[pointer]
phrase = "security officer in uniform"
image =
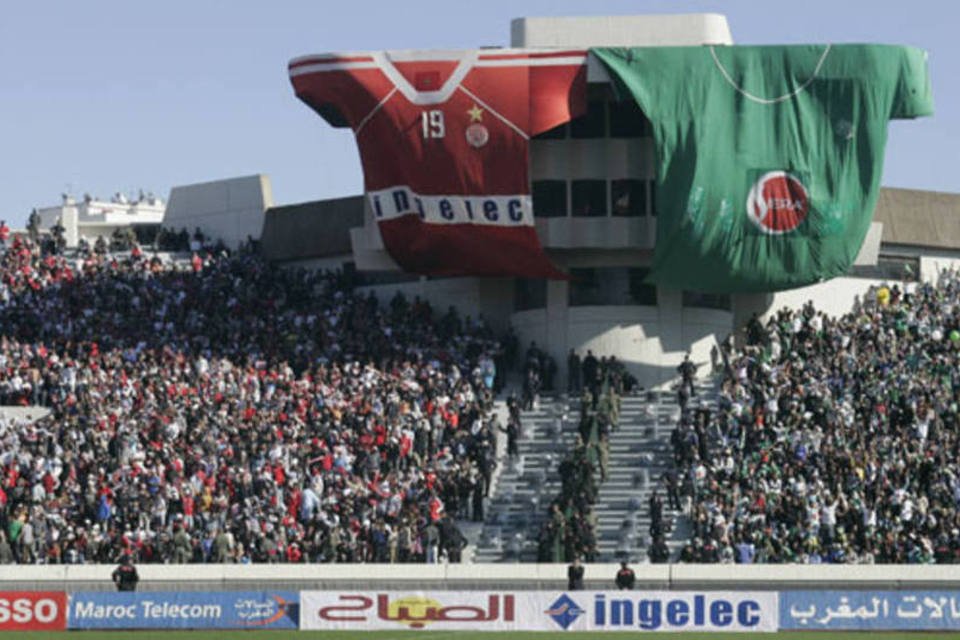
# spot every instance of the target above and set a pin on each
(125, 576)
(626, 578)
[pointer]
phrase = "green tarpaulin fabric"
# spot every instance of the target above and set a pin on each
(768, 157)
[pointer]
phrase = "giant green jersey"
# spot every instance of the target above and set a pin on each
(768, 157)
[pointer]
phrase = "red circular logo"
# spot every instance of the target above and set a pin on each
(778, 202)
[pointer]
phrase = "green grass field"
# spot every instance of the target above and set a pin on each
(457, 635)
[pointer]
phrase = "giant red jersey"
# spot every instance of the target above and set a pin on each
(444, 140)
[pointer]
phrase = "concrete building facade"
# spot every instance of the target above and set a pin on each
(93, 217)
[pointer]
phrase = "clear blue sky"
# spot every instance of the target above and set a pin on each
(107, 95)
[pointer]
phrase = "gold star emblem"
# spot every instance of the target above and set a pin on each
(476, 114)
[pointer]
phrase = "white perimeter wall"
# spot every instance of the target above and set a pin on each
(679, 576)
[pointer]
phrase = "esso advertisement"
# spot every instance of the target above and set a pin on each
(33, 610)
(541, 610)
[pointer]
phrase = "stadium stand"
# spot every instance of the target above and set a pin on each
(212, 408)
(835, 438)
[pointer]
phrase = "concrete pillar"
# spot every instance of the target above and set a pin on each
(70, 219)
(670, 312)
(558, 340)
(495, 298)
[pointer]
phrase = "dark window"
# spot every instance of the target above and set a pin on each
(146, 233)
(706, 300)
(589, 198)
(550, 198)
(609, 286)
(652, 187)
(641, 292)
(557, 133)
(626, 120)
(370, 278)
(529, 293)
(591, 125)
(903, 268)
(628, 198)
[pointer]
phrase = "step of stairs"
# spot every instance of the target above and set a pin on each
(640, 452)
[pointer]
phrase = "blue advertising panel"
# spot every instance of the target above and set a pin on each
(184, 610)
(868, 610)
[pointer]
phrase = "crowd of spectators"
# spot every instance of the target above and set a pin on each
(217, 409)
(836, 439)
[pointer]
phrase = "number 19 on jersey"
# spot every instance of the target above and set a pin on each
(432, 124)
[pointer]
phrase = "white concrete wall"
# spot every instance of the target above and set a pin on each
(677, 576)
(229, 210)
(870, 249)
(931, 266)
(650, 341)
(835, 297)
(621, 31)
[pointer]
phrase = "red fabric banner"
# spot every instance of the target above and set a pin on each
(444, 141)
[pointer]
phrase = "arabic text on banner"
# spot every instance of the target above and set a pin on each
(870, 610)
(540, 610)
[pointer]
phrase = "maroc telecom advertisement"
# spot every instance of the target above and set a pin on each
(33, 610)
(184, 610)
(880, 610)
(540, 610)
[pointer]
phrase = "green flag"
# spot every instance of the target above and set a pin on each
(768, 157)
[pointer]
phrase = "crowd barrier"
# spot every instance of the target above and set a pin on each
(500, 610)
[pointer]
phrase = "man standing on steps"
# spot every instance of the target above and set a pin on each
(659, 552)
(513, 435)
(590, 369)
(673, 489)
(687, 371)
(603, 454)
(573, 373)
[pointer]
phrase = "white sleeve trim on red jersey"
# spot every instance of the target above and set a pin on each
(321, 67)
(373, 111)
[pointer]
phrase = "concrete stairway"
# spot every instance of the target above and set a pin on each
(639, 454)
(526, 485)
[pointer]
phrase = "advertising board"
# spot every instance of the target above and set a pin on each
(184, 610)
(870, 610)
(540, 610)
(33, 610)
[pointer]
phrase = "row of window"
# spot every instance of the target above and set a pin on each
(608, 286)
(889, 267)
(593, 198)
(603, 119)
